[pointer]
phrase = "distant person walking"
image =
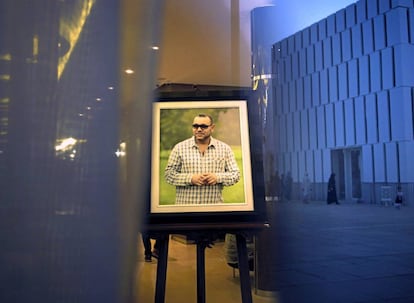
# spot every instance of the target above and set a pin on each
(332, 197)
(399, 198)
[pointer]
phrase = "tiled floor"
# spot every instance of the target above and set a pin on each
(181, 286)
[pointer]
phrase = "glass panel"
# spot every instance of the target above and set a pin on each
(69, 118)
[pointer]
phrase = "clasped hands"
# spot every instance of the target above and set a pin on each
(204, 179)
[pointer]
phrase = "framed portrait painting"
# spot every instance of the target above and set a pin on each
(201, 157)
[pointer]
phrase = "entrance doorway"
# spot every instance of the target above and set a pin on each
(346, 164)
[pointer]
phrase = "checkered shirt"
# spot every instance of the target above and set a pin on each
(186, 159)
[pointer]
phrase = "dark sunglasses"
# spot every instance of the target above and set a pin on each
(202, 126)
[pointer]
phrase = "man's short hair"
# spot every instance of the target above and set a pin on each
(208, 116)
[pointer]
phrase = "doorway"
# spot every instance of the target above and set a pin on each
(346, 164)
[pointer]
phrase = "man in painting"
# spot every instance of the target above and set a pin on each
(199, 167)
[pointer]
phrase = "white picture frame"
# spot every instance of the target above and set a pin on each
(231, 120)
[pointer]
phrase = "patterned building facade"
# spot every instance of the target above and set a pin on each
(343, 101)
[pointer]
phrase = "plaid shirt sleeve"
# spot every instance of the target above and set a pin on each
(173, 171)
(230, 173)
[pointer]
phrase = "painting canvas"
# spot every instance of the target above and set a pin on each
(173, 122)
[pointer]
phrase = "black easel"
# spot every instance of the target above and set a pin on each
(204, 235)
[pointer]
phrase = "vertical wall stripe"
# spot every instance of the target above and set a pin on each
(324, 92)
(353, 78)
(368, 170)
(406, 152)
(350, 15)
(314, 34)
(291, 44)
(322, 29)
(310, 59)
(401, 113)
(397, 26)
(340, 20)
(404, 65)
(336, 49)
(327, 165)
(333, 84)
(295, 65)
(330, 25)
(387, 68)
(315, 89)
(297, 131)
(307, 92)
(371, 118)
(375, 71)
(379, 32)
(306, 37)
(313, 135)
(319, 56)
(285, 100)
(305, 129)
(302, 62)
(367, 37)
(356, 34)
(346, 45)
(327, 52)
(372, 8)
(384, 128)
(299, 94)
(330, 126)
(360, 127)
(391, 159)
(411, 24)
(310, 164)
(321, 122)
(339, 124)
(364, 75)
(318, 165)
(292, 95)
(361, 7)
(298, 41)
(349, 119)
(290, 136)
(379, 162)
(343, 81)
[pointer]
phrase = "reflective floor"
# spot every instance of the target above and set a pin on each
(181, 286)
(347, 253)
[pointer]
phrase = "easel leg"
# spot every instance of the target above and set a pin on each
(161, 269)
(201, 274)
(245, 287)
